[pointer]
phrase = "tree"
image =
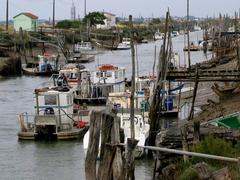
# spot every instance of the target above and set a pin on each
(66, 24)
(94, 18)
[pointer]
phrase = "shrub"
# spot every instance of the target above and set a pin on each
(215, 146)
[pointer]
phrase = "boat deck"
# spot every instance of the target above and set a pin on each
(75, 133)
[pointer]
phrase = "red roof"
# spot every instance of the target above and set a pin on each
(32, 16)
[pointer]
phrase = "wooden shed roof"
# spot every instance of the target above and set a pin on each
(30, 15)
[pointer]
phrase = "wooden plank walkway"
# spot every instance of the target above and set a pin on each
(204, 75)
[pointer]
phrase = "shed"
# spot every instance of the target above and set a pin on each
(27, 21)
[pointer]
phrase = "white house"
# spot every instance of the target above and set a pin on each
(109, 22)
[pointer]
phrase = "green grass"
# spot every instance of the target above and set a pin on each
(214, 146)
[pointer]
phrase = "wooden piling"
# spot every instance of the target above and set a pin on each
(93, 146)
(156, 101)
(110, 166)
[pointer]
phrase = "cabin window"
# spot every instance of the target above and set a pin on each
(69, 99)
(99, 74)
(108, 74)
(120, 73)
(72, 76)
(116, 74)
(50, 100)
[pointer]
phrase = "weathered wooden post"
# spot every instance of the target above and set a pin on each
(154, 62)
(131, 142)
(110, 164)
(196, 123)
(156, 100)
(188, 37)
(93, 146)
(184, 132)
(117, 164)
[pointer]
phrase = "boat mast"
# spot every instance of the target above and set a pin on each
(53, 14)
(188, 38)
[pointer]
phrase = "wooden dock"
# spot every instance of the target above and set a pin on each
(204, 75)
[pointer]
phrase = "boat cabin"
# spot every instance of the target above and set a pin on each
(47, 63)
(110, 75)
(54, 109)
(83, 46)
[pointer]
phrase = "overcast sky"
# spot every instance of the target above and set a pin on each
(145, 8)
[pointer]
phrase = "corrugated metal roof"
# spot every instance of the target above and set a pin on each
(32, 16)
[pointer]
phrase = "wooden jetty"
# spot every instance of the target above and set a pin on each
(204, 75)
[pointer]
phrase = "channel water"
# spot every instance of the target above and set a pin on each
(63, 160)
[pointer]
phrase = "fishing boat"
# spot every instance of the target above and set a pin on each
(53, 117)
(81, 58)
(192, 48)
(174, 34)
(158, 36)
(46, 66)
(141, 132)
(82, 47)
(124, 45)
(95, 86)
(72, 72)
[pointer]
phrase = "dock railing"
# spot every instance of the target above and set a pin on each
(188, 153)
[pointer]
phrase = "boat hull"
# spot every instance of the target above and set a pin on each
(75, 133)
(31, 72)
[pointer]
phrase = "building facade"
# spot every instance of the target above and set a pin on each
(27, 21)
(109, 22)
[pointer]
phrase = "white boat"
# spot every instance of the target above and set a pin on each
(73, 74)
(175, 33)
(53, 117)
(94, 87)
(141, 132)
(46, 66)
(82, 47)
(141, 128)
(158, 36)
(124, 45)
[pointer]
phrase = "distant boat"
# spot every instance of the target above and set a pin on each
(175, 33)
(82, 47)
(192, 48)
(82, 58)
(144, 41)
(158, 36)
(124, 45)
(46, 66)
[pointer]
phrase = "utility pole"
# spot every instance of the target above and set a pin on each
(188, 38)
(85, 8)
(133, 81)
(131, 142)
(53, 14)
(7, 16)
